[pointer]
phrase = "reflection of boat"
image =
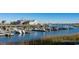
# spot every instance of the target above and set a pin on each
(62, 28)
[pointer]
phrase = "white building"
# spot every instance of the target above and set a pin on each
(34, 22)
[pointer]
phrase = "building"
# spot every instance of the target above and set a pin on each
(33, 22)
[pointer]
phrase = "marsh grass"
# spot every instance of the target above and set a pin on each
(68, 39)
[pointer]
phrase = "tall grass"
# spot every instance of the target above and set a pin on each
(69, 39)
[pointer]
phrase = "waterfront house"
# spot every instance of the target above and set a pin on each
(33, 22)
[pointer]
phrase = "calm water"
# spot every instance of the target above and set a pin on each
(37, 35)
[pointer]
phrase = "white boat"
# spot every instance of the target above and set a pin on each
(4, 33)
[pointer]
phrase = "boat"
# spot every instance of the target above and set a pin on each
(1, 34)
(9, 34)
(5, 33)
(19, 31)
(39, 30)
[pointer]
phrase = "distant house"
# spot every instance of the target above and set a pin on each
(24, 22)
(20, 22)
(33, 22)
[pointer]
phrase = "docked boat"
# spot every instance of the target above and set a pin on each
(1, 34)
(5, 33)
(39, 30)
(9, 34)
(19, 31)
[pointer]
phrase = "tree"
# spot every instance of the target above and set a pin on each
(13, 23)
(3, 22)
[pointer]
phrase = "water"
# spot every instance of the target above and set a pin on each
(37, 35)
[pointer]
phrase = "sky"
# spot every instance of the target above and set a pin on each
(42, 17)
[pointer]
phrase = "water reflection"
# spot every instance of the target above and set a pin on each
(20, 35)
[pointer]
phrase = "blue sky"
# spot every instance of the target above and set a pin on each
(42, 17)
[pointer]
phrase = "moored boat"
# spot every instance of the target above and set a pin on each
(39, 30)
